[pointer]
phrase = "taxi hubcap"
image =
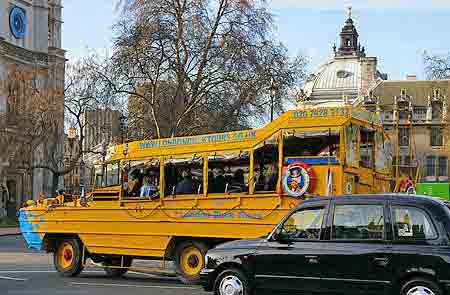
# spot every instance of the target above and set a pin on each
(420, 290)
(231, 285)
(191, 261)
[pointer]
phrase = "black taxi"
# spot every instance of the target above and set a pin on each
(358, 244)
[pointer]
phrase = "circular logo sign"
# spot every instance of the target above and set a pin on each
(297, 179)
(18, 22)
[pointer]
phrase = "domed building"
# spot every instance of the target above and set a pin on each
(345, 78)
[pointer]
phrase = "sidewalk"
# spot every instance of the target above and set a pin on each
(13, 231)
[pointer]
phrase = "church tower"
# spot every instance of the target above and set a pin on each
(347, 76)
(349, 39)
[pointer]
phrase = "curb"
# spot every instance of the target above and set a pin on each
(10, 234)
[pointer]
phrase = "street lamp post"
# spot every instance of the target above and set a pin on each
(82, 165)
(273, 93)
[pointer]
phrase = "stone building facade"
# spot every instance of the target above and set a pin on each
(71, 150)
(419, 111)
(102, 126)
(30, 38)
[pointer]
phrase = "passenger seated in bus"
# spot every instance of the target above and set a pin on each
(185, 186)
(135, 184)
(148, 189)
(218, 182)
(228, 174)
(331, 150)
(237, 182)
(270, 178)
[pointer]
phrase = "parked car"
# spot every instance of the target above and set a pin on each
(390, 244)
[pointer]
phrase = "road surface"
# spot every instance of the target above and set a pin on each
(26, 272)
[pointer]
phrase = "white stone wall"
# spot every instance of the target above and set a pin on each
(36, 38)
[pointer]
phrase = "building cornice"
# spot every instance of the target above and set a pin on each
(23, 55)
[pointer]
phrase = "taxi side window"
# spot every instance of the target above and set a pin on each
(358, 222)
(412, 224)
(304, 224)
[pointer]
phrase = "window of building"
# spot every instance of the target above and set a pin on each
(412, 224)
(420, 113)
(387, 116)
(403, 110)
(303, 224)
(443, 170)
(143, 178)
(184, 176)
(436, 136)
(431, 166)
(265, 166)
(436, 111)
(403, 136)
(228, 172)
(358, 222)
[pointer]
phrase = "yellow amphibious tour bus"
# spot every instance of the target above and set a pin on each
(173, 199)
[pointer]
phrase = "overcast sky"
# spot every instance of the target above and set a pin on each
(395, 31)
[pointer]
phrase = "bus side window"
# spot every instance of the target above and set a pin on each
(112, 174)
(266, 166)
(228, 172)
(184, 176)
(321, 143)
(366, 148)
(143, 179)
(98, 179)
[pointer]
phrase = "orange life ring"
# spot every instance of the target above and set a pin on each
(298, 179)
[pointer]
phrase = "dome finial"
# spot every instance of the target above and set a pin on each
(349, 12)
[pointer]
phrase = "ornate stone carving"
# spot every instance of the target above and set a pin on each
(23, 54)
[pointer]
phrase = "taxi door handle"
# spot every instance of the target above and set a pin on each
(311, 259)
(381, 261)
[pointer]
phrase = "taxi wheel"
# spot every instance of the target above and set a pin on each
(420, 286)
(189, 261)
(68, 257)
(232, 282)
(117, 272)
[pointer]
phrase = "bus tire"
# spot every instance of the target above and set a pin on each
(67, 258)
(117, 272)
(189, 258)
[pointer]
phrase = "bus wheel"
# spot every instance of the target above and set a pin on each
(189, 260)
(68, 257)
(117, 272)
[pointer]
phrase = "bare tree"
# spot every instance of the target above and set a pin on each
(30, 117)
(32, 129)
(437, 66)
(198, 65)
